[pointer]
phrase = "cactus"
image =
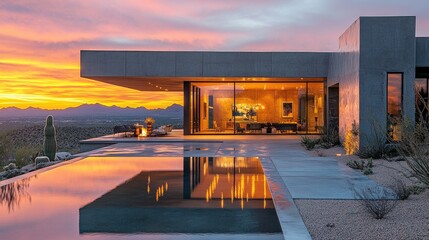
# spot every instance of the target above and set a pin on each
(50, 142)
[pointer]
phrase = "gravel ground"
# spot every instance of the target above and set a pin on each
(348, 219)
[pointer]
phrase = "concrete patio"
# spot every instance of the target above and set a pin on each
(291, 171)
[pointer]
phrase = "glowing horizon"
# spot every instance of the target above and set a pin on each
(41, 42)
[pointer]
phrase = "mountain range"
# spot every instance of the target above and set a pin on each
(92, 111)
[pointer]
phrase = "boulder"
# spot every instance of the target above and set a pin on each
(40, 160)
(10, 166)
(12, 173)
(62, 156)
(44, 164)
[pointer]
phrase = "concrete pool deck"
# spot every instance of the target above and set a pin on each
(291, 172)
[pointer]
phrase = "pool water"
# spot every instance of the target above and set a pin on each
(142, 197)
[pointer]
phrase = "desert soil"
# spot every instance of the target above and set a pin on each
(348, 219)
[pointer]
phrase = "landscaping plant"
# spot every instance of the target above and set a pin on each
(414, 142)
(378, 201)
(329, 137)
(401, 190)
(309, 143)
(351, 139)
(364, 166)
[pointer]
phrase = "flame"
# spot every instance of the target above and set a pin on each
(143, 133)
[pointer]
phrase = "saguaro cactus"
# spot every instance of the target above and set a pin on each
(50, 141)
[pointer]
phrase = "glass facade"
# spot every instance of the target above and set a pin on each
(257, 107)
(394, 104)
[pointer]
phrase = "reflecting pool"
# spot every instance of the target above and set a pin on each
(142, 197)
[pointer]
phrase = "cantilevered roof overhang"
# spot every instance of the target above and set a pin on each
(167, 70)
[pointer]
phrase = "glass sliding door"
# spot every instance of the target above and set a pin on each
(316, 103)
(270, 108)
(258, 107)
(213, 107)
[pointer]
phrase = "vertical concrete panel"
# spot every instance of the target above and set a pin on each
(388, 44)
(422, 52)
(344, 69)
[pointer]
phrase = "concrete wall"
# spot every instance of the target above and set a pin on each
(422, 52)
(203, 64)
(387, 44)
(344, 69)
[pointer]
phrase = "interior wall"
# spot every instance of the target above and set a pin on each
(272, 102)
(222, 106)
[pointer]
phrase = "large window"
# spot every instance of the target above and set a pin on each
(394, 103)
(258, 107)
(211, 107)
(421, 90)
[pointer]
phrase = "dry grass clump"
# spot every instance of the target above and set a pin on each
(378, 201)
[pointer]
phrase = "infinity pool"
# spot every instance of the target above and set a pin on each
(142, 197)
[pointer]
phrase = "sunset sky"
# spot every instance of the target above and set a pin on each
(40, 40)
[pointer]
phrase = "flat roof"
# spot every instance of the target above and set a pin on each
(167, 70)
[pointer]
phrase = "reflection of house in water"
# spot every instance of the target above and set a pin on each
(225, 178)
(231, 192)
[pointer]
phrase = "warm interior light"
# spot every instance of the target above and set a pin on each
(143, 133)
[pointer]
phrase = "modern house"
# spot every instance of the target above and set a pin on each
(370, 80)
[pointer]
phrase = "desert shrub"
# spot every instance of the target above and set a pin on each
(376, 146)
(414, 147)
(370, 163)
(364, 165)
(415, 189)
(5, 150)
(351, 139)
(26, 155)
(368, 171)
(378, 201)
(391, 153)
(309, 143)
(401, 190)
(329, 137)
(360, 165)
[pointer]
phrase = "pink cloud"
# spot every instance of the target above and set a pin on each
(47, 33)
